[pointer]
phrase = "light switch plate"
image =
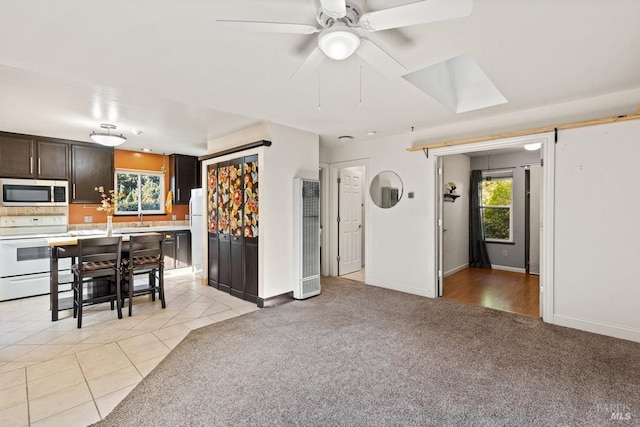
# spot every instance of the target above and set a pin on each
(88, 218)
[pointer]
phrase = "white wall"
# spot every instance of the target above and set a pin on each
(397, 253)
(455, 240)
(293, 153)
(596, 229)
(254, 133)
(609, 105)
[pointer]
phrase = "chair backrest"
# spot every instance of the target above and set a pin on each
(145, 249)
(99, 250)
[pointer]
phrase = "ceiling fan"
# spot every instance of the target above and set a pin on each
(339, 36)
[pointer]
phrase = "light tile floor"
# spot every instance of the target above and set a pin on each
(53, 374)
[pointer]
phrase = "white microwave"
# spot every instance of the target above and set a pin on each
(33, 192)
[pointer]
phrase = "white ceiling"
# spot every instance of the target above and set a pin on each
(162, 67)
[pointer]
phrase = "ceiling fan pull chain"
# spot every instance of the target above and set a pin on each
(360, 76)
(319, 74)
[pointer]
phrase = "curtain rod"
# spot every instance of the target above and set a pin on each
(534, 131)
(506, 169)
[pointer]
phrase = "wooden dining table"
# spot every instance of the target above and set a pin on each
(67, 247)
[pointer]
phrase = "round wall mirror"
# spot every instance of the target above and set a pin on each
(386, 189)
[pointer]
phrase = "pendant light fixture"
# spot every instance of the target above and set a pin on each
(107, 138)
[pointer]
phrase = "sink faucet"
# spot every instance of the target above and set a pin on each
(141, 216)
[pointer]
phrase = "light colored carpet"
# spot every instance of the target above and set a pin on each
(361, 355)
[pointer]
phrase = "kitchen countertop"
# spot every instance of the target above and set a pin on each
(73, 240)
(129, 230)
(99, 232)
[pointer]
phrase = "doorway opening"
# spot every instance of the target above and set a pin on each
(348, 219)
(510, 210)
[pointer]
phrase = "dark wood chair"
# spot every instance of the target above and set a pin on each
(144, 257)
(97, 274)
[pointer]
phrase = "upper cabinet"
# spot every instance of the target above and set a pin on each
(185, 176)
(16, 157)
(22, 156)
(85, 165)
(91, 167)
(53, 160)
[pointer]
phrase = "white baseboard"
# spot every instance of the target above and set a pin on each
(615, 331)
(456, 269)
(507, 268)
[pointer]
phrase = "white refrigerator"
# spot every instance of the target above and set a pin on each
(197, 226)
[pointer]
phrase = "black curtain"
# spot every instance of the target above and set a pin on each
(478, 256)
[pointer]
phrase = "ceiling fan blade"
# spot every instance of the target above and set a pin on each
(457, 83)
(266, 27)
(415, 13)
(308, 66)
(375, 56)
(334, 8)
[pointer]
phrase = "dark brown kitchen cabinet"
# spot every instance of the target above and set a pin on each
(183, 249)
(91, 167)
(23, 156)
(184, 173)
(16, 156)
(169, 251)
(52, 160)
(177, 249)
(232, 218)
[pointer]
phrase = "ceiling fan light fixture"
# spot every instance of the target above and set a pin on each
(107, 138)
(339, 42)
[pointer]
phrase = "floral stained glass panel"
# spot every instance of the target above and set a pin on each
(251, 218)
(212, 198)
(236, 199)
(224, 200)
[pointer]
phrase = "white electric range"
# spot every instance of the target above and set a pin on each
(25, 254)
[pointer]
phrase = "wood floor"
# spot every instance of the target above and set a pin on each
(502, 290)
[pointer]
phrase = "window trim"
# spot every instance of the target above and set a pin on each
(502, 174)
(139, 172)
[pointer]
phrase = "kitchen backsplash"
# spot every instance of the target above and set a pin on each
(33, 210)
(63, 210)
(131, 224)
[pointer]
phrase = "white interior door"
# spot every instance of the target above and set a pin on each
(535, 185)
(350, 219)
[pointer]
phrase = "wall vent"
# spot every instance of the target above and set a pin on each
(306, 237)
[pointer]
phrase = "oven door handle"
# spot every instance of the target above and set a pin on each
(29, 278)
